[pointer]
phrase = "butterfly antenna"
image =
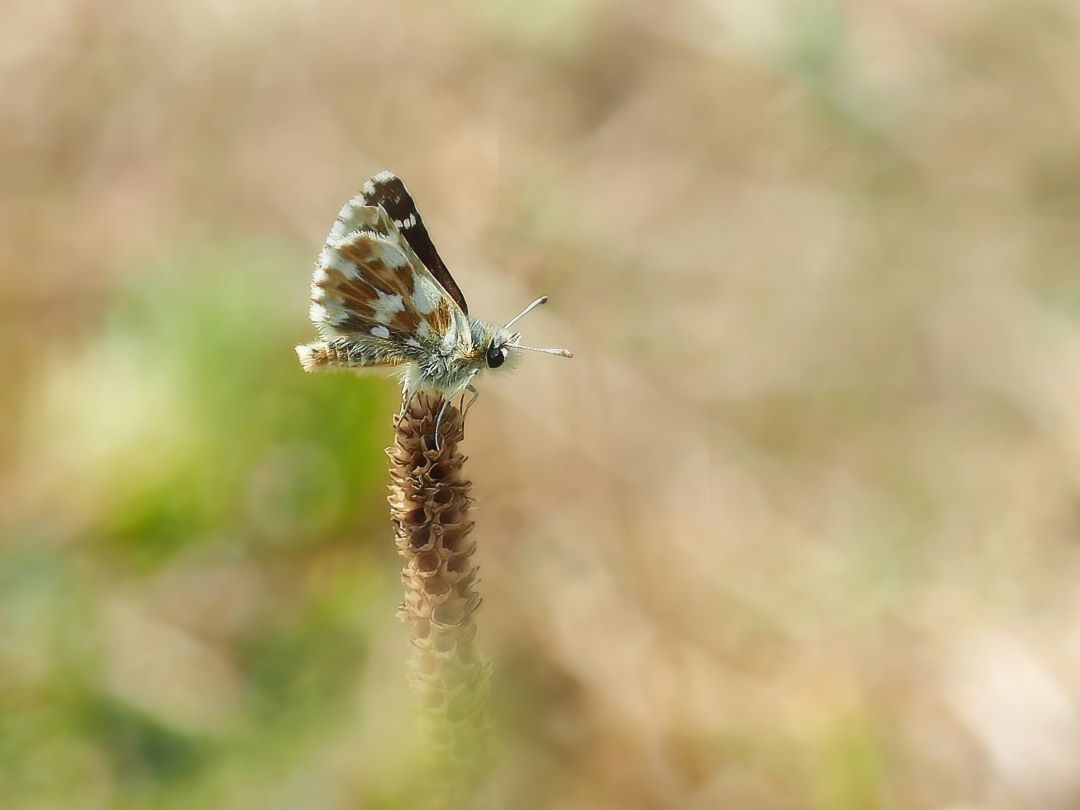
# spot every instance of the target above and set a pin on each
(556, 352)
(539, 302)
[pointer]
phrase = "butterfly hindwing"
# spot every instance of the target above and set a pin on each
(386, 190)
(366, 288)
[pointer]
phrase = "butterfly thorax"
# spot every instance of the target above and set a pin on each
(449, 366)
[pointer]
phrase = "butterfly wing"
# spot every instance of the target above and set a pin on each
(365, 287)
(386, 190)
(373, 301)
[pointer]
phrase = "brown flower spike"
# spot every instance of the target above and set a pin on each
(429, 506)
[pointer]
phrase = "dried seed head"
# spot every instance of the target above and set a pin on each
(430, 505)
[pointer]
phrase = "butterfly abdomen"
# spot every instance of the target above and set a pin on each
(342, 354)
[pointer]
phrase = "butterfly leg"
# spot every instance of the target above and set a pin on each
(406, 400)
(438, 420)
(467, 385)
(466, 405)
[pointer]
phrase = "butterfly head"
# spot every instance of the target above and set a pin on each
(496, 353)
(498, 343)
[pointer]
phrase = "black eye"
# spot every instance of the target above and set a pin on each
(496, 355)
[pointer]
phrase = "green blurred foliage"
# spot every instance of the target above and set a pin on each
(245, 456)
(259, 441)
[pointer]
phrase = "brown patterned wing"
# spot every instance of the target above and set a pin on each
(367, 289)
(387, 191)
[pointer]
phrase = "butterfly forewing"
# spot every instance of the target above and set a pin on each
(359, 214)
(387, 191)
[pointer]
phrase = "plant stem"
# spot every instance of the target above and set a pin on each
(429, 506)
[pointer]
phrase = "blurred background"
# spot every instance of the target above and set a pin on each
(797, 528)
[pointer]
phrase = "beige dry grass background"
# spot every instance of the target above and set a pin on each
(797, 528)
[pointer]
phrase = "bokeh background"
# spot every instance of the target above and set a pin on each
(797, 528)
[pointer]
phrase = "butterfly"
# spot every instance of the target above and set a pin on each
(381, 297)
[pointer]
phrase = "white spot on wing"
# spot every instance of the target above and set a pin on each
(335, 311)
(426, 295)
(332, 259)
(327, 311)
(387, 306)
(423, 330)
(380, 331)
(391, 254)
(347, 218)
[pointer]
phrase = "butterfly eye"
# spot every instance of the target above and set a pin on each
(496, 356)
